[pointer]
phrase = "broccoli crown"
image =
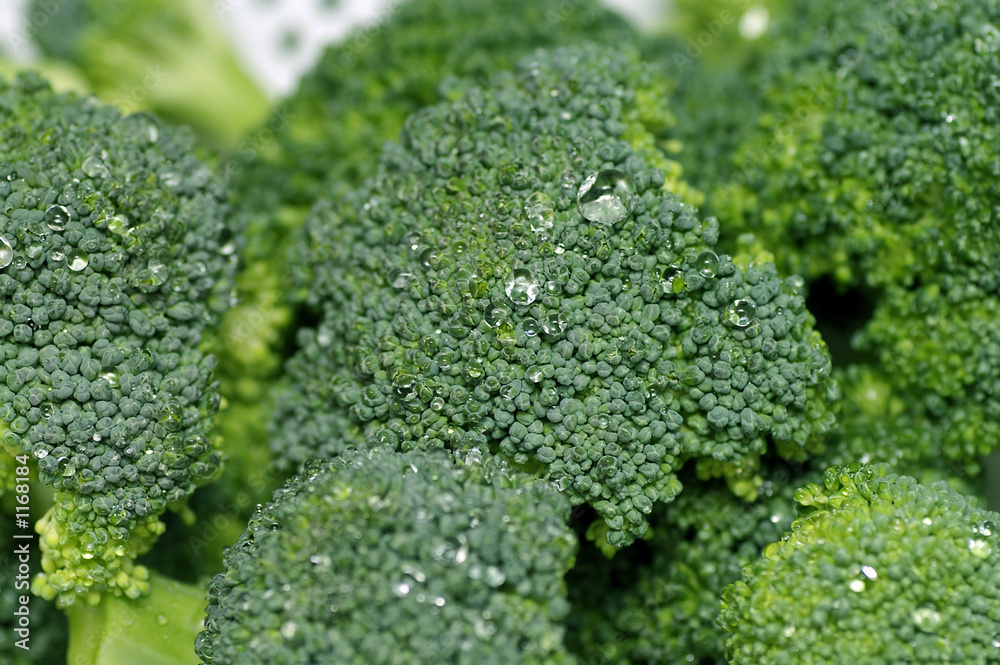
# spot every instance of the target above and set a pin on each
(516, 277)
(396, 558)
(168, 56)
(658, 601)
(880, 569)
(873, 163)
(361, 91)
(114, 259)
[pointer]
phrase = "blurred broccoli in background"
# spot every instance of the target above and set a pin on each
(166, 56)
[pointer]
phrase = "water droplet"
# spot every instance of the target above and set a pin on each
(707, 263)
(94, 167)
(161, 620)
(869, 572)
(494, 577)
(56, 217)
(603, 421)
(926, 618)
(496, 315)
(158, 273)
(741, 313)
(672, 282)
(57, 255)
(530, 327)
(980, 548)
(520, 288)
(402, 589)
(857, 586)
(6, 253)
(77, 260)
(288, 630)
(41, 453)
(399, 278)
(606, 197)
(539, 213)
(788, 631)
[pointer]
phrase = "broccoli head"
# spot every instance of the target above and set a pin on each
(872, 164)
(517, 277)
(115, 258)
(877, 569)
(396, 558)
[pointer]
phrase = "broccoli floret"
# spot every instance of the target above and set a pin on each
(879, 569)
(517, 277)
(167, 56)
(658, 601)
(326, 138)
(114, 261)
(397, 558)
(871, 164)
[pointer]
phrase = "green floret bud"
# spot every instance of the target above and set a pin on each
(879, 569)
(111, 271)
(517, 276)
(403, 558)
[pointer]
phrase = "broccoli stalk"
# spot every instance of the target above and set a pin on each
(167, 56)
(157, 629)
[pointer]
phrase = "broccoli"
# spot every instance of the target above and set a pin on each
(327, 136)
(167, 56)
(658, 601)
(540, 294)
(115, 263)
(878, 568)
(397, 558)
(871, 165)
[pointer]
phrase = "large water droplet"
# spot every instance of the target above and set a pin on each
(94, 167)
(77, 260)
(741, 313)
(520, 288)
(707, 263)
(606, 197)
(399, 278)
(56, 217)
(980, 548)
(496, 315)
(6, 253)
(538, 211)
(926, 618)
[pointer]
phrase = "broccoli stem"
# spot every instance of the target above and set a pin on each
(157, 629)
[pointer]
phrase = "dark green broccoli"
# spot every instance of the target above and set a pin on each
(658, 601)
(167, 56)
(115, 261)
(383, 557)
(878, 569)
(872, 165)
(517, 276)
(326, 138)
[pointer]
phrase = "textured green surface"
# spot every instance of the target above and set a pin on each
(880, 569)
(467, 301)
(115, 262)
(398, 559)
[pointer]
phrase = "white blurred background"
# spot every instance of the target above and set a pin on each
(278, 40)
